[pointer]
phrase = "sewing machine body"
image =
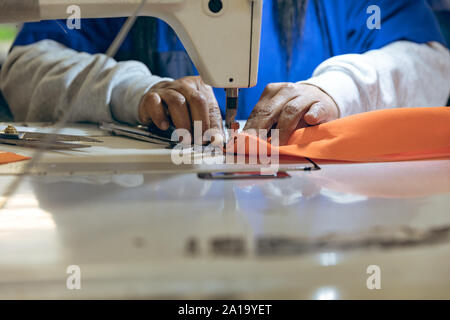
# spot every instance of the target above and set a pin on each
(223, 44)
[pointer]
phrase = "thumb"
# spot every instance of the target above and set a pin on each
(317, 114)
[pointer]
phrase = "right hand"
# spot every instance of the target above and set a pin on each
(182, 101)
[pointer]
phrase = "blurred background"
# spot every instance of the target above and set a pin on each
(7, 34)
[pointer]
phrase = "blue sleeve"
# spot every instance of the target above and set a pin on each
(95, 35)
(411, 20)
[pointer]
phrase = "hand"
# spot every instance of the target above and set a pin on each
(291, 106)
(183, 101)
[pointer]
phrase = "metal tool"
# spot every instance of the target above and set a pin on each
(11, 136)
(257, 175)
(144, 133)
(242, 176)
(232, 98)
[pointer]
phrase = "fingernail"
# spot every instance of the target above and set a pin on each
(315, 113)
(164, 125)
(217, 140)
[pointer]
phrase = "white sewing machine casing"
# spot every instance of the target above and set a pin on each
(221, 37)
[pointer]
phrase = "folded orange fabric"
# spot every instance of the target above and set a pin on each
(382, 135)
(8, 157)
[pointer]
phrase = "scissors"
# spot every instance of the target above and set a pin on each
(11, 136)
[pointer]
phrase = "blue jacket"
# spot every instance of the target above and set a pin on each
(332, 27)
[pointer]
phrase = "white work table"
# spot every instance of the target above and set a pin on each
(140, 232)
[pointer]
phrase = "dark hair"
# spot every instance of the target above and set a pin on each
(289, 16)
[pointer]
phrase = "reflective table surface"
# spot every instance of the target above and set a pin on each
(311, 236)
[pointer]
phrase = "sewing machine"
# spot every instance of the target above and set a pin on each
(221, 37)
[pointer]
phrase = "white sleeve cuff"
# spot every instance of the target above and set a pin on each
(127, 96)
(341, 88)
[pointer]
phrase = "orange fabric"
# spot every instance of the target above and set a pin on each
(382, 135)
(7, 157)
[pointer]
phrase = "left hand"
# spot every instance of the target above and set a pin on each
(291, 106)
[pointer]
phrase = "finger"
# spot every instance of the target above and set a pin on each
(272, 89)
(267, 111)
(198, 106)
(302, 124)
(215, 118)
(317, 114)
(291, 115)
(216, 125)
(178, 110)
(153, 109)
(197, 103)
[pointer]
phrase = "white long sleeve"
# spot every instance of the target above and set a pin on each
(42, 80)
(402, 74)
